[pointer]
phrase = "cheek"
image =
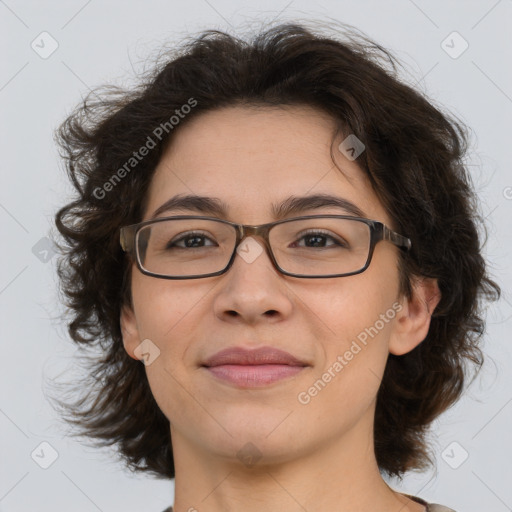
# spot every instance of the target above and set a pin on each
(353, 360)
(168, 314)
(162, 305)
(356, 303)
(360, 312)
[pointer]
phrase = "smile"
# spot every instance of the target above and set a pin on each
(254, 375)
(253, 368)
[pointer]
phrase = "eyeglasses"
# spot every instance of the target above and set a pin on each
(315, 246)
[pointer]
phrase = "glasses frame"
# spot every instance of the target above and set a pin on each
(378, 232)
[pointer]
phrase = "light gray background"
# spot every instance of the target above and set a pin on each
(99, 41)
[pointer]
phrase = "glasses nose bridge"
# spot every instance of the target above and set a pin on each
(247, 230)
(261, 231)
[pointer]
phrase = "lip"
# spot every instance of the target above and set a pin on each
(253, 368)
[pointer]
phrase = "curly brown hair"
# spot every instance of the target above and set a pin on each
(413, 158)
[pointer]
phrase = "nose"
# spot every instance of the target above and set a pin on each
(252, 289)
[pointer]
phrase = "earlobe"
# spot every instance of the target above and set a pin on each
(129, 330)
(413, 321)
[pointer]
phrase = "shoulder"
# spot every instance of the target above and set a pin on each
(434, 507)
(430, 507)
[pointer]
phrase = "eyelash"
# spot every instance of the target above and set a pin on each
(300, 237)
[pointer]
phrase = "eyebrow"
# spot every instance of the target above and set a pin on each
(213, 206)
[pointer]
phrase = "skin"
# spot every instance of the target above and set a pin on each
(315, 456)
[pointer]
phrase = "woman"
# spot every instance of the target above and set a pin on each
(274, 244)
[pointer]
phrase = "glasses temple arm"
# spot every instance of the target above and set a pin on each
(126, 238)
(396, 238)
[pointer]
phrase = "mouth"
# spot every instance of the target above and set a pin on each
(253, 368)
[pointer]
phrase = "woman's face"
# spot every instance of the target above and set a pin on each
(251, 159)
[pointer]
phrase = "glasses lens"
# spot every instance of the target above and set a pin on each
(194, 247)
(185, 247)
(321, 246)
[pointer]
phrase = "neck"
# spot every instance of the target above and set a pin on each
(337, 475)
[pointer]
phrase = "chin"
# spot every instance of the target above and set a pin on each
(254, 435)
(251, 450)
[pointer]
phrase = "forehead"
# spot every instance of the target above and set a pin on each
(254, 158)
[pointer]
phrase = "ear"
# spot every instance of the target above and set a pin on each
(129, 330)
(413, 320)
